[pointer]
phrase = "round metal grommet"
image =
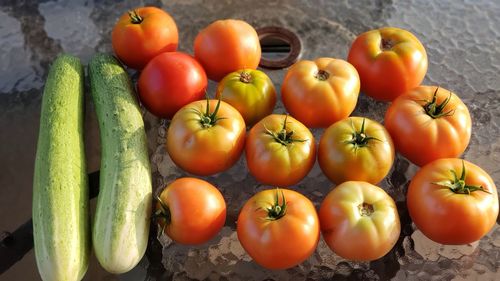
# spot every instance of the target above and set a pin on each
(292, 45)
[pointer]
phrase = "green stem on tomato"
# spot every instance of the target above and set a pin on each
(163, 212)
(284, 136)
(458, 185)
(435, 110)
(360, 138)
(207, 118)
(277, 210)
(135, 18)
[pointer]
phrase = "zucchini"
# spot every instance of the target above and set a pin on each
(60, 186)
(121, 224)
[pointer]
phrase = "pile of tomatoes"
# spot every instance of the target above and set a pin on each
(452, 201)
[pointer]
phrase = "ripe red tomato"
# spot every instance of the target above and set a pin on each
(278, 228)
(356, 148)
(190, 211)
(250, 91)
(359, 221)
(170, 81)
(225, 46)
(141, 34)
(321, 92)
(280, 150)
(206, 137)
(429, 123)
(453, 201)
(390, 61)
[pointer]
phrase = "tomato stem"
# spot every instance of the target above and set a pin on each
(458, 185)
(163, 212)
(365, 209)
(284, 136)
(245, 77)
(435, 110)
(277, 210)
(359, 138)
(134, 17)
(386, 44)
(208, 119)
(322, 75)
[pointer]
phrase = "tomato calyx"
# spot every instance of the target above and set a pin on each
(135, 18)
(386, 44)
(435, 110)
(365, 209)
(284, 136)
(359, 138)
(163, 212)
(458, 185)
(277, 210)
(322, 75)
(209, 119)
(245, 77)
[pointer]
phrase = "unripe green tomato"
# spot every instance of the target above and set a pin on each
(250, 91)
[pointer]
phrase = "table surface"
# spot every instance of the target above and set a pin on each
(463, 45)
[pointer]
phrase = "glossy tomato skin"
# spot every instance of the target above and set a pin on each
(447, 217)
(342, 157)
(422, 138)
(355, 234)
(170, 81)
(275, 163)
(250, 91)
(225, 46)
(390, 61)
(281, 243)
(136, 44)
(206, 151)
(197, 211)
(318, 93)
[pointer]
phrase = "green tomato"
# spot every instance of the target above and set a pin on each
(250, 91)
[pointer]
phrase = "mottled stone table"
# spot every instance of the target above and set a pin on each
(463, 45)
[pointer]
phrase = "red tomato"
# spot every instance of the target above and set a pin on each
(356, 148)
(280, 150)
(191, 211)
(359, 221)
(226, 46)
(169, 82)
(429, 123)
(141, 34)
(390, 61)
(453, 201)
(206, 137)
(278, 228)
(319, 93)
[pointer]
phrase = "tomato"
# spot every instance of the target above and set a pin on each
(359, 221)
(356, 149)
(280, 151)
(319, 93)
(169, 82)
(429, 123)
(190, 211)
(225, 46)
(278, 228)
(389, 60)
(250, 91)
(206, 137)
(453, 201)
(141, 34)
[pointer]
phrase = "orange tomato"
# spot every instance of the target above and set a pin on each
(390, 61)
(141, 34)
(190, 211)
(225, 46)
(280, 150)
(359, 221)
(319, 93)
(356, 148)
(205, 137)
(278, 228)
(453, 201)
(429, 123)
